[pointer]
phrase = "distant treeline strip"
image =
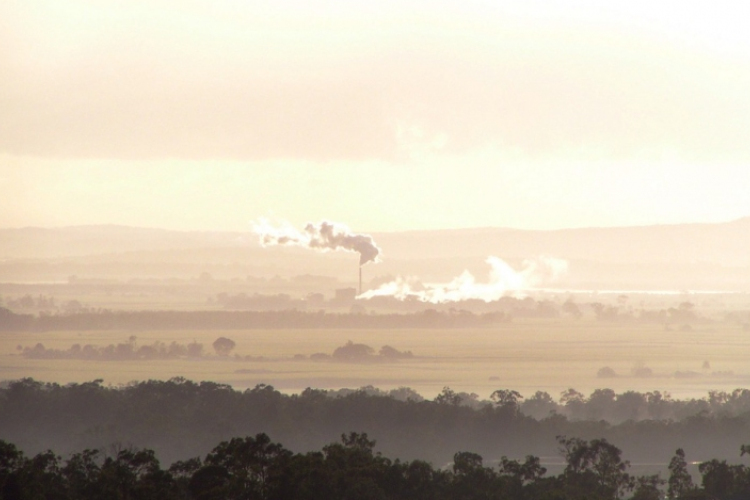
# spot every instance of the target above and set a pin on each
(106, 319)
(179, 418)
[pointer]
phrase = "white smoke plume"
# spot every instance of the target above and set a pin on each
(324, 236)
(503, 279)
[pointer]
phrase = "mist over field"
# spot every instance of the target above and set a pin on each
(76, 297)
(598, 341)
(670, 298)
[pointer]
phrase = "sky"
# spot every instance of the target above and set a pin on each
(386, 116)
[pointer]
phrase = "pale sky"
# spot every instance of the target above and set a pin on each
(381, 115)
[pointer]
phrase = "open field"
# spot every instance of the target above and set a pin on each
(527, 356)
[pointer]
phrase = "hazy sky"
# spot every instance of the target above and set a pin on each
(383, 115)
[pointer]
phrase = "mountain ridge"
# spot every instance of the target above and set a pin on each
(675, 256)
(723, 243)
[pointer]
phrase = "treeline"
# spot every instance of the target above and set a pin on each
(605, 404)
(227, 320)
(179, 418)
(258, 468)
(280, 311)
(118, 352)
(157, 350)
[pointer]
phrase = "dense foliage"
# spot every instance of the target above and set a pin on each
(178, 418)
(258, 468)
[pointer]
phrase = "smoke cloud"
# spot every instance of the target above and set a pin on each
(324, 236)
(503, 279)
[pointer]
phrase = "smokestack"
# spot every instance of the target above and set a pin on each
(360, 280)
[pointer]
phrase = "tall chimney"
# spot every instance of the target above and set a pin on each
(360, 280)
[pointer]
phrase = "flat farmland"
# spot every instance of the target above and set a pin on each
(527, 356)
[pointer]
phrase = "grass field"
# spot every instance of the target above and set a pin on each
(526, 356)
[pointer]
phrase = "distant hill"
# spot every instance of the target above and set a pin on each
(690, 256)
(722, 243)
(37, 242)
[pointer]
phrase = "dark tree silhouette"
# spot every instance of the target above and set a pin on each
(223, 346)
(680, 481)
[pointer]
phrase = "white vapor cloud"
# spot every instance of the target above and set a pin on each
(324, 236)
(503, 279)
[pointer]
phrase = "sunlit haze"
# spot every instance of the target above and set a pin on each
(385, 115)
(335, 249)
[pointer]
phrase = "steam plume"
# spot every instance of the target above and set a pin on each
(503, 279)
(323, 236)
